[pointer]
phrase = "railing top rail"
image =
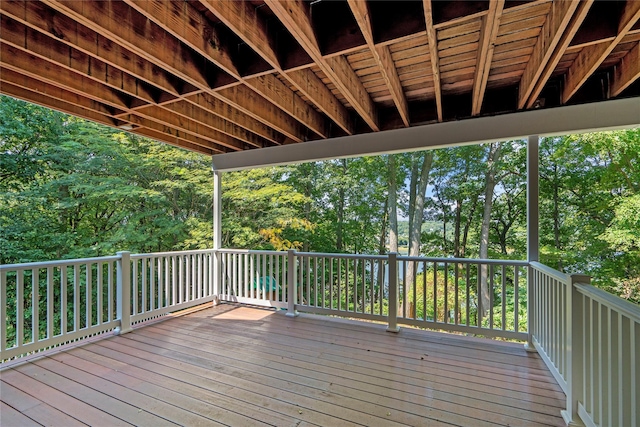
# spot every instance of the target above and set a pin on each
(465, 260)
(628, 309)
(61, 262)
(339, 255)
(250, 251)
(563, 277)
(171, 253)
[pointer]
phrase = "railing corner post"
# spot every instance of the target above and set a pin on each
(392, 318)
(531, 309)
(291, 283)
(574, 347)
(123, 293)
(217, 272)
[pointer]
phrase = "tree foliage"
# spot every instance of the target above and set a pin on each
(70, 188)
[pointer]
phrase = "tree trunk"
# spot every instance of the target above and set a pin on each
(340, 213)
(416, 225)
(392, 203)
(490, 182)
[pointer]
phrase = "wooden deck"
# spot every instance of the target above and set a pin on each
(244, 366)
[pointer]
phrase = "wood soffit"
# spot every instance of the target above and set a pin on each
(225, 76)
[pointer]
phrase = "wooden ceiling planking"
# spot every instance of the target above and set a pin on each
(247, 75)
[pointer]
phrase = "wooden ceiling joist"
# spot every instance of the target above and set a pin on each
(229, 76)
(488, 34)
(434, 56)
(295, 17)
(553, 29)
(382, 57)
(244, 20)
(219, 108)
(590, 58)
(38, 16)
(627, 72)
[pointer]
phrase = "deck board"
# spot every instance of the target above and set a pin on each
(243, 366)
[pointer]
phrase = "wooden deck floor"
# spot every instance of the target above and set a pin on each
(244, 366)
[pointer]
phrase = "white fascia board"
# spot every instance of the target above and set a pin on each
(605, 115)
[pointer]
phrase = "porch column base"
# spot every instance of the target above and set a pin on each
(570, 421)
(394, 329)
(293, 313)
(530, 347)
(216, 301)
(119, 331)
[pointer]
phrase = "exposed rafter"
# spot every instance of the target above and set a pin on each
(627, 72)
(295, 17)
(184, 22)
(590, 58)
(433, 55)
(545, 50)
(382, 56)
(488, 34)
(243, 19)
(41, 18)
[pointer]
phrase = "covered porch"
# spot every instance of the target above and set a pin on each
(272, 336)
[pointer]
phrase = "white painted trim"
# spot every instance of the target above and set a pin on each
(605, 115)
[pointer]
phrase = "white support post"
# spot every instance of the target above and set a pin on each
(574, 346)
(217, 235)
(123, 293)
(533, 230)
(291, 284)
(392, 318)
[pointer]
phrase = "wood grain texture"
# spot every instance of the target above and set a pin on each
(263, 368)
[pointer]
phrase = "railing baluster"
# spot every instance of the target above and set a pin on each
(76, 297)
(456, 311)
(88, 295)
(491, 294)
(446, 293)
(3, 310)
(516, 297)
(435, 291)
(63, 300)
(504, 297)
(50, 303)
(174, 282)
(468, 292)
(35, 305)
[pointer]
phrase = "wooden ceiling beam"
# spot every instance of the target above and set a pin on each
(38, 16)
(153, 43)
(39, 69)
(627, 72)
(546, 56)
(241, 17)
(55, 104)
(269, 87)
(148, 40)
(162, 117)
(222, 109)
(249, 102)
(34, 43)
(295, 17)
(184, 110)
(382, 57)
(176, 141)
(488, 34)
(188, 25)
(553, 29)
(590, 58)
(50, 96)
(434, 57)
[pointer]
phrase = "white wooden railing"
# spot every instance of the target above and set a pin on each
(590, 341)
(588, 338)
(438, 293)
(46, 304)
